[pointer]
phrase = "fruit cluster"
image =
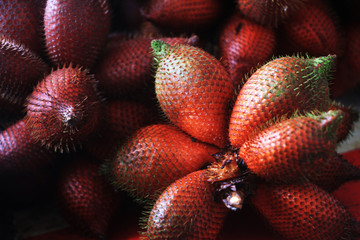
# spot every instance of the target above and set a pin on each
(192, 107)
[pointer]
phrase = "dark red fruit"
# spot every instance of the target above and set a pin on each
(183, 15)
(194, 91)
(348, 194)
(330, 173)
(187, 210)
(19, 152)
(20, 70)
(127, 64)
(304, 212)
(76, 30)
(20, 20)
(63, 110)
(119, 119)
(154, 157)
(86, 199)
(350, 115)
(311, 30)
(244, 45)
(269, 12)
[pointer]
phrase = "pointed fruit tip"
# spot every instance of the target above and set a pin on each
(160, 48)
(324, 65)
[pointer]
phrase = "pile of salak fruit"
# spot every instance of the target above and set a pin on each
(180, 119)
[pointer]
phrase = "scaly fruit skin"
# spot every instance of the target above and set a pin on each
(348, 195)
(20, 21)
(303, 212)
(154, 157)
(243, 45)
(333, 173)
(187, 210)
(280, 87)
(19, 153)
(310, 30)
(86, 199)
(183, 15)
(194, 91)
(20, 70)
(126, 65)
(119, 119)
(78, 43)
(287, 151)
(269, 12)
(63, 109)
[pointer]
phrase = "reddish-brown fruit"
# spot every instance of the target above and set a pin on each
(20, 70)
(353, 157)
(194, 91)
(19, 152)
(280, 87)
(352, 48)
(332, 172)
(183, 15)
(187, 210)
(269, 12)
(243, 45)
(20, 20)
(63, 109)
(154, 157)
(303, 212)
(119, 119)
(349, 195)
(86, 199)
(126, 65)
(347, 75)
(287, 151)
(76, 30)
(311, 30)
(350, 116)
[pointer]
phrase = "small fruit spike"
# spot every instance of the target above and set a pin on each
(19, 153)
(187, 210)
(63, 110)
(76, 30)
(194, 91)
(154, 157)
(86, 199)
(269, 12)
(287, 151)
(20, 70)
(183, 15)
(243, 45)
(280, 87)
(20, 20)
(302, 212)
